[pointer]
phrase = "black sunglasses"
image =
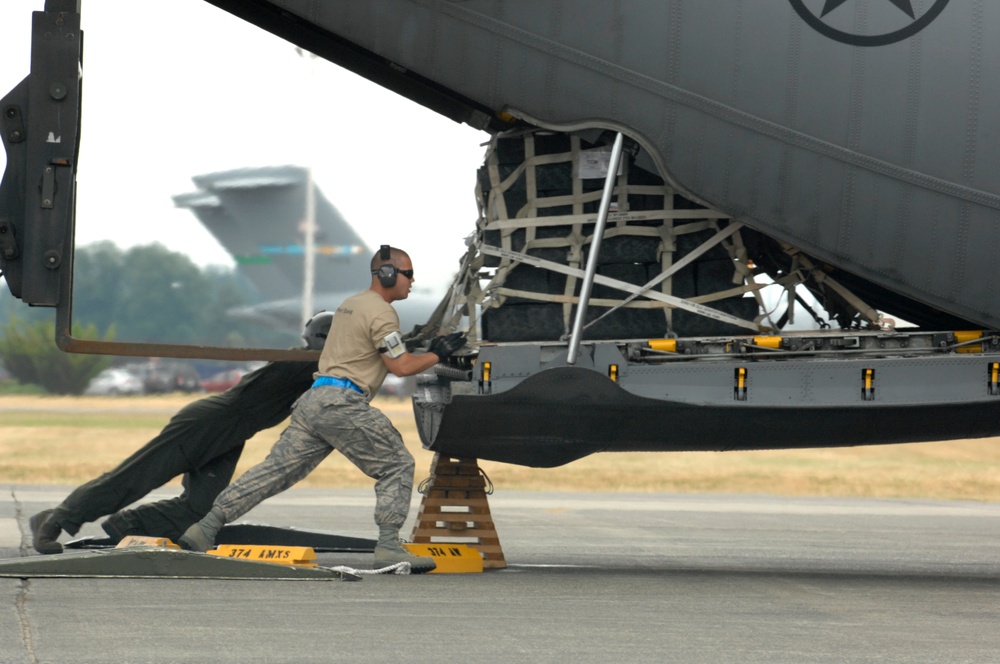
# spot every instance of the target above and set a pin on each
(407, 273)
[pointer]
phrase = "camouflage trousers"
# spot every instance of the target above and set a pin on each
(325, 419)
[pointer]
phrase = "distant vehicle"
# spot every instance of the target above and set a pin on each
(394, 386)
(163, 377)
(222, 381)
(112, 382)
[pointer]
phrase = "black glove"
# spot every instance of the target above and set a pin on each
(447, 344)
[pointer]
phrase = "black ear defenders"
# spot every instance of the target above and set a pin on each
(386, 273)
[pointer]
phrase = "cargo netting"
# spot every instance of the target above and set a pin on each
(667, 266)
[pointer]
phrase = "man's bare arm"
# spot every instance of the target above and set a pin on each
(410, 364)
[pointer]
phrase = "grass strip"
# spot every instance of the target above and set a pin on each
(72, 440)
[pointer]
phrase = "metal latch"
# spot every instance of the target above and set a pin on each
(8, 241)
(48, 186)
(740, 388)
(485, 384)
(13, 123)
(867, 384)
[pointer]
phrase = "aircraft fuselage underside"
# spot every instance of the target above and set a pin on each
(533, 411)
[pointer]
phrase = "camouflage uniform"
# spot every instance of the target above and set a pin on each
(324, 419)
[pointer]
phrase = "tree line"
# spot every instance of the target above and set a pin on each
(143, 294)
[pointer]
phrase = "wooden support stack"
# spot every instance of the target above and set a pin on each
(454, 509)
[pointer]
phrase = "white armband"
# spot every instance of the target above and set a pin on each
(393, 345)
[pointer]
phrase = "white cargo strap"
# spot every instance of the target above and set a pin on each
(860, 306)
(691, 256)
(746, 274)
(613, 218)
(670, 300)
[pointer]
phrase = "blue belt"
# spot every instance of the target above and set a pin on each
(345, 383)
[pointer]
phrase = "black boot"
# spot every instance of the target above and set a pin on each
(45, 532)
(120, 525)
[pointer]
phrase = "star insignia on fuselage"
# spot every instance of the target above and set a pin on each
(904, 28)
(903, 5)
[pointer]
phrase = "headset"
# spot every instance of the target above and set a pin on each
(386, 273)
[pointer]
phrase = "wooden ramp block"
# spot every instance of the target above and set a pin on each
(455, 509)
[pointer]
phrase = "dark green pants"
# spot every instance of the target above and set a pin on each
(203, 442)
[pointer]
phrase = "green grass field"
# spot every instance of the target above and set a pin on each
(68, 440)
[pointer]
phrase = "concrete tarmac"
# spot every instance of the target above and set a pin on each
(590, 578)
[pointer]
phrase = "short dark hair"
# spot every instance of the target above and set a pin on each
(394, 255)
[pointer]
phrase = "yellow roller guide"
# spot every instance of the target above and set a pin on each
(669, 345)
(303, 556)
(969, 335)
(767, 342)
(449, 558)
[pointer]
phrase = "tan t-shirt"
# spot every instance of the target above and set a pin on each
(351, 350)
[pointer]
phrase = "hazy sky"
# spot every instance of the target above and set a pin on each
(173, 93)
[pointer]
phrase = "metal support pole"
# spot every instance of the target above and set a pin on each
(309, 220)
(595, 248)
(309, 262)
